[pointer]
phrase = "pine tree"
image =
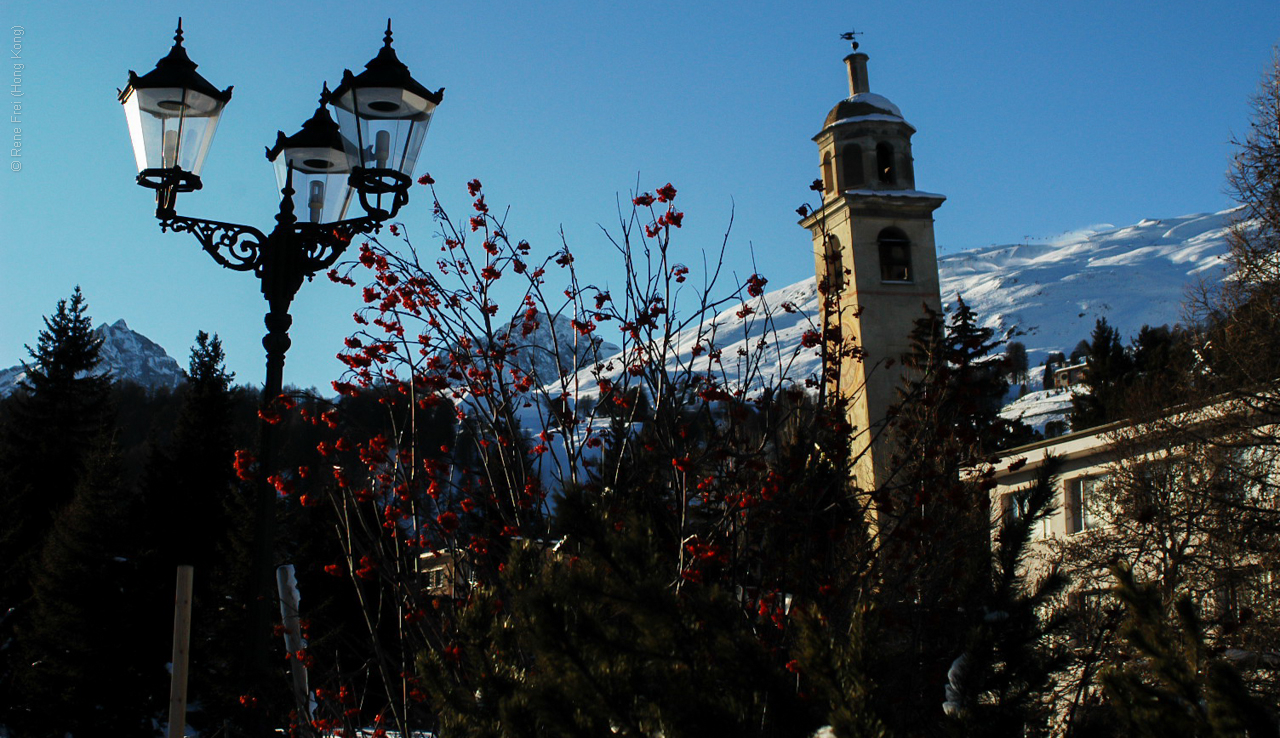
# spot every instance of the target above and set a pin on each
(1108, 369)
(84, 664)
(196, 516)
(58, 410)
(1015, 357)
(1179, 689)
(996, 686)
(44, 440)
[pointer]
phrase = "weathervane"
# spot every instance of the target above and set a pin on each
(849, 36)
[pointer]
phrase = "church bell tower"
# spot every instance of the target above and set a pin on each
(874, 253)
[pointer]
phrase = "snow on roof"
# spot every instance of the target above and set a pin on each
(880, 101)
(874, 118)
(896, 193)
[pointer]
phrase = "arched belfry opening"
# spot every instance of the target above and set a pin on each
(851, 167)
(834, 278)
(895, 256)
(885, 168)
(874, 252)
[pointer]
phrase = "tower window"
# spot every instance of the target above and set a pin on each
(828, 176)
(834, 266)
(851, 166)
(884, 163)
(895, 256)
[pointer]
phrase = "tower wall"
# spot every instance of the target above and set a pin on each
(886, 270)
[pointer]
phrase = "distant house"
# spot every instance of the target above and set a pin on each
(1064, 377)
(440, 571)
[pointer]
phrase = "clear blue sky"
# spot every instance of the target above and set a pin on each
(1033, 118)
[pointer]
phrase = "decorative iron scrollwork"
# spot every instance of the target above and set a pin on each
(324, 244)
(234, 246)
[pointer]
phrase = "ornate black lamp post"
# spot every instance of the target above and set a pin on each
(383, 115)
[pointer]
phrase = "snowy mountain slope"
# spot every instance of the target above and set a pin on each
(757, 344)
(126, 355)
(534, 353)
(1051, 292)
(1054, 292)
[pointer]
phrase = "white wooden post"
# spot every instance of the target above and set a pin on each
(181, 652)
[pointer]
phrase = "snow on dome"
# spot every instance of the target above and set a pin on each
(864, 104)
(879, 101)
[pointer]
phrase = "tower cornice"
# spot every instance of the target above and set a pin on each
(904, 201)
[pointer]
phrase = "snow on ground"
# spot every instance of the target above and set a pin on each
(1041, 407)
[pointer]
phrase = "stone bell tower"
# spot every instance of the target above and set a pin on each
(876, 261)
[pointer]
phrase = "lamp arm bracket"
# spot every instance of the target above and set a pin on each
(236, 247)
(325, 244)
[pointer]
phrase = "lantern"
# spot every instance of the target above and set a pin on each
(172, 114)
(383, 113)
(318, 157)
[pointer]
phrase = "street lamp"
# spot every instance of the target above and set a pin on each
(383, 114)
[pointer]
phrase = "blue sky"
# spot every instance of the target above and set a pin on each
(1033, 118)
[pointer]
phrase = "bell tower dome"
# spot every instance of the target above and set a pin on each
(875, 258)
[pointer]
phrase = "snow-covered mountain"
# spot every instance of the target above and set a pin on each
(1051, 292)
(1054, 292)
(536, 354)
(126, 355)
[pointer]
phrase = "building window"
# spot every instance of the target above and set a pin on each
(828, 176)
(1013, 506)
(851, 166)
(895, 256)
(835, 265)
(1085, 502)
(884, 163)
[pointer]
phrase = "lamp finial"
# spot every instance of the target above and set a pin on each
(177, 36)
(386, 40)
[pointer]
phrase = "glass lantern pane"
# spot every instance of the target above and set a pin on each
(391, 128)
(171, 127)
(321, 194)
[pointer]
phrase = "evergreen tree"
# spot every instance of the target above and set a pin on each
(45, 435)
(1015, 358)
(84, 665)
(1106, 379)
(996, 687)
(1052, 363)
(961, 384)
(58, 409)
(1081, 351)
(1179, 690)
(197, 518)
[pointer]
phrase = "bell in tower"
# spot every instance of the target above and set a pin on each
(875, 258)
